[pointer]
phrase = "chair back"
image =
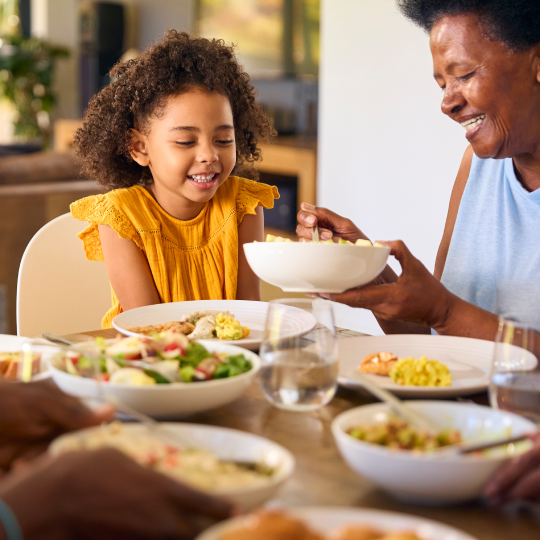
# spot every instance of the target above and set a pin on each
(59, 290)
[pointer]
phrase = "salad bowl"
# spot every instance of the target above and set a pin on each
(172, 400)
(224, 443)
(435, 477)
(316, 266)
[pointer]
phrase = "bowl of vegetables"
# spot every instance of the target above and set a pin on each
(164, 376)
(422, 467)
(331, 267)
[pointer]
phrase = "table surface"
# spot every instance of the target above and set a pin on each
(322, 478)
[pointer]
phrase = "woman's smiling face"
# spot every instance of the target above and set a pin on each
(492, 92)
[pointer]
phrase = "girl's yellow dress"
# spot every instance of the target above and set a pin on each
(189, 260)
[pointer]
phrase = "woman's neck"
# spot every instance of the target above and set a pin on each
(527, 169)
(175, 205)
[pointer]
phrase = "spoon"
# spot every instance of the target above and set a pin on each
(315, 233)
(411, 416)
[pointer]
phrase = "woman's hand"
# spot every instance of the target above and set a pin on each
(33, 414)
(104, 494)
(518, 479)
(330, 224)
(416, 296)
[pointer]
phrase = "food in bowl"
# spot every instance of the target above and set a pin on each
(278, 525)
(359, 242)
(199, 468)
(399, 435)
(380, 363)
(11, 364)
(168, 357)
(420, 372)
(203, 324)
(432, 477)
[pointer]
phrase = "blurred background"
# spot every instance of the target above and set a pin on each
(348, 84)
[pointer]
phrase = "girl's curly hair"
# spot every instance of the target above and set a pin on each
(139, 89)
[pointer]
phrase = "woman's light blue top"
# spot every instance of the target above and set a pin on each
(494, 256)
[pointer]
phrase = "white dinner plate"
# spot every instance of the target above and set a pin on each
(9, 343)
(251, 314)
(325, 519)
(469, 361)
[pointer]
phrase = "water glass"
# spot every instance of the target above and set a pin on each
(299, 368)
(515, 373)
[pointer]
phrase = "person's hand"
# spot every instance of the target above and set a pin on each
(104, 494)
(33, 414)
(517, 479)
(417, 296)
(330, 224)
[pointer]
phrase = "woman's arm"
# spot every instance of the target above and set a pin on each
(251, 228)
(453, 208)
(128, 270)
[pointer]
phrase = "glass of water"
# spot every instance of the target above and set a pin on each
(515, 373)
(299, 354)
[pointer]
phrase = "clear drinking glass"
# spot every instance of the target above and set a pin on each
(299, 372)
(515, 373)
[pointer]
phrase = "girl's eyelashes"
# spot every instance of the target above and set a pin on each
(190, 143)
(228, 141)
(187, 143)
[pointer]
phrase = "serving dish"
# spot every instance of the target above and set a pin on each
(316, 267)
(227, 444)
(249, 313)
(325, 519)
(165, 400)
(434, 477)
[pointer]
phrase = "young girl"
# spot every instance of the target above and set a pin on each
(166, 135)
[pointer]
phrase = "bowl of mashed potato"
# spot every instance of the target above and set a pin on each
(331, 267)
(428, 473)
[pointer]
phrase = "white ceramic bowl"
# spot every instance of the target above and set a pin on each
(315, 267)
(426, 478)
(167, 400)
(226, 444)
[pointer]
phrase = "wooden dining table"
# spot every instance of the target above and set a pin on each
(322, 478)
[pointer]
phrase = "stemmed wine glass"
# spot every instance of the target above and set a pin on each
(299, 372)
(515, 373)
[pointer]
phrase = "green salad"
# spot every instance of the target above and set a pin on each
(164, 358)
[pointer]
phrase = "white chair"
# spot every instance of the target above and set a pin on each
(59, 290)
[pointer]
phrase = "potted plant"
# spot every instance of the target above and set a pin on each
(26, 75)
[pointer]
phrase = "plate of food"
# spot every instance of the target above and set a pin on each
(237, 321)
(326, 266)
(245, 468)
(331, 523)
(422, 366)
(12, 359)
(164, 376)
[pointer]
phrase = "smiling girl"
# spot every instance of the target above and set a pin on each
(169, 135)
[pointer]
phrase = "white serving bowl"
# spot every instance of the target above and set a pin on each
(315, 267)
(428, 478)
(166, 400)
(227, 444)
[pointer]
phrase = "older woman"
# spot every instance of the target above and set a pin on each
(486, 59)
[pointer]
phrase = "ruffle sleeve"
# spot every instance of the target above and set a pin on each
(252, 194)
(100, 210)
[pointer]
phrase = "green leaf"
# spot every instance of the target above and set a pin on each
(160, 379)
